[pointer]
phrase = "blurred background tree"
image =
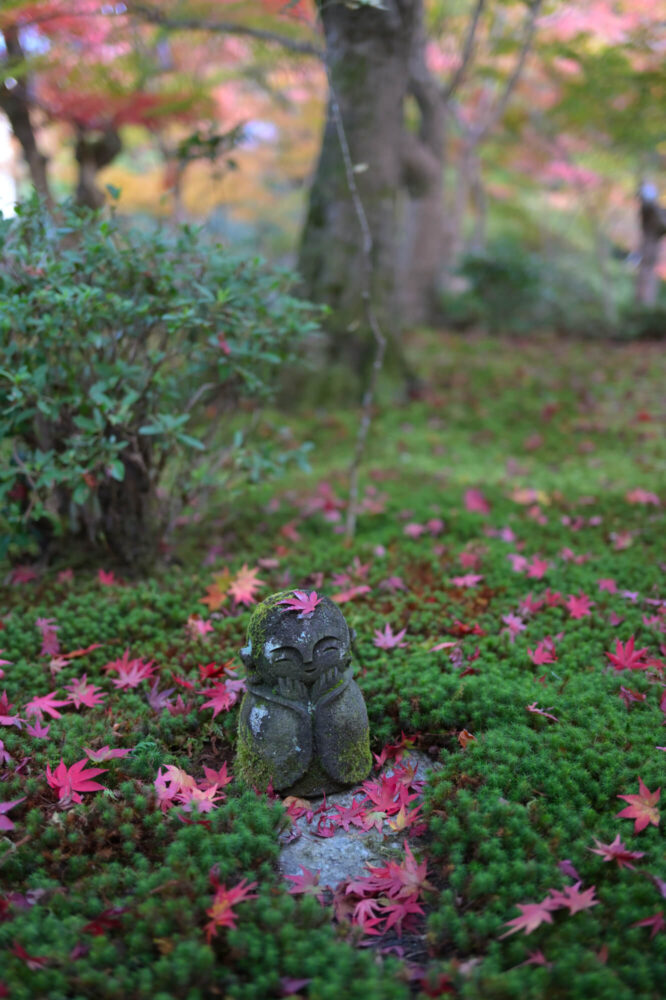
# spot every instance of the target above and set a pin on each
(475, 128)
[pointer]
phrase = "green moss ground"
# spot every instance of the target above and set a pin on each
(502, 814)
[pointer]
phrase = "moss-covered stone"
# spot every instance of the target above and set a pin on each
(303, 723)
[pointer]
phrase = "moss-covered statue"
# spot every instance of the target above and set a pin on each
(303, 723)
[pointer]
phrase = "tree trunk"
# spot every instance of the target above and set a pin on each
(129, 512)
(653, 227)
(424, 230)
(368, 53)
(93, 151)
(15, 102)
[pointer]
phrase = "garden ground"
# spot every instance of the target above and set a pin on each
(513, 525)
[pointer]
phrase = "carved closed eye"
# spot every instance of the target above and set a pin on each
(327, 645)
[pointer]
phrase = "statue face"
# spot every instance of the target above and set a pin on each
(304, 649)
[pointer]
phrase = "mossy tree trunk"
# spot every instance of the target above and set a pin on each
(368, 53)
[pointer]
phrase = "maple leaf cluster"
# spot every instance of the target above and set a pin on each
(389, 897)
(176, 787)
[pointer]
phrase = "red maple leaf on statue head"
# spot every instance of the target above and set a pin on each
(305, 603)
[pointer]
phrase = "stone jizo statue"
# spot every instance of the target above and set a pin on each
(303, 724)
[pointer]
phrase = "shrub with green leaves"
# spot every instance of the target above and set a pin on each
(124, 350)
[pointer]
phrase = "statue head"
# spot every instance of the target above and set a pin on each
(288, 644)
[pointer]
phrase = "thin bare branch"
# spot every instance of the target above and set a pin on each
(497, 113)
(370, 315)
(468, 51)
(152, 15)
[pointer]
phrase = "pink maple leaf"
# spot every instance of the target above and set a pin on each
(616, 851)
(399, 911)
(514, 625)
(106, 753)
(46, 703)
(532, 915)
(530, 605)
(543, 653)
(628, 696)
(365, 915)
(656, 922)
(197, 627)
(354, 814)
(306, 884)
(607, 584)
(642, 807)
(573, 899)
(519, 563)
(387, 640)
(414, 530)
(71, 781)
(5, 823)
(48, 630)
(626, 657)
(642, 496)
(475, 502)
(82, 693)
(467, 580)
(106, 579)
(303, 602)
(244, 585)
(579, 607)
(219, 777)
(130, 672)
(223, 696)
(538, 568)
(37, 730)
(204, 799)
(221, 911)
(351, 593)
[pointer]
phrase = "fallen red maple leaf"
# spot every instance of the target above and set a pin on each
(5, 823)
(573, 899)
(578, 607)
(244, 585)
(642, 807)
(306, 884)
(532, 915)
(70, 781)
(616, 851)
(221, 911)
(656, 922)
(626, 657)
